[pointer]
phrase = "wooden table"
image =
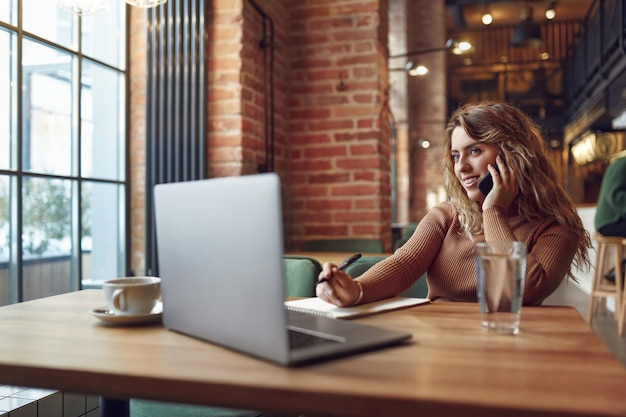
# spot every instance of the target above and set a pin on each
(556, 366)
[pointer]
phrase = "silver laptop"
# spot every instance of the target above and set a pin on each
(220, 254)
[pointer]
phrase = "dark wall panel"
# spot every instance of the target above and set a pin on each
(175, 122)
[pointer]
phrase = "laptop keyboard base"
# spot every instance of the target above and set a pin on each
(299, 340)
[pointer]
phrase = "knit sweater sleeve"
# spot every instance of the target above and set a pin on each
(409, 263)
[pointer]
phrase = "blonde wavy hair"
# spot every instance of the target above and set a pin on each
(519, 140)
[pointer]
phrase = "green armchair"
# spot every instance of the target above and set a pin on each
(417, 290)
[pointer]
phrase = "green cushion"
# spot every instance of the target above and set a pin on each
(314, 261)
(417, 290)
(407, 232)
(363, 264)
(343, 245)
(399, 243)
(301, 275)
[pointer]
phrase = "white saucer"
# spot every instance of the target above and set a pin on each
(106, 315)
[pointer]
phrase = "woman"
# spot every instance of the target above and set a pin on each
(527, 203)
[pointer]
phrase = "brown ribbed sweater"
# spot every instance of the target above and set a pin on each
(440, 248)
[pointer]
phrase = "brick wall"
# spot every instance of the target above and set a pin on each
(338, 128)
(331, 119)
(225, 122)
(241, 73)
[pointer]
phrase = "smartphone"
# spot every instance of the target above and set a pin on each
(486, 183)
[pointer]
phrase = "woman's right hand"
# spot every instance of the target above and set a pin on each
(338, 287)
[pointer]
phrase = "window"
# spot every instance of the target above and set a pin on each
(62, 149)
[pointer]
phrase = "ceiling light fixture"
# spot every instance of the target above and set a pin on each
(91, 7)
(551, 10)
(85, 7)
(146, 3)
(527, 32)
(486, 18)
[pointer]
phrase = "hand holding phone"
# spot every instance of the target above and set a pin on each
(486, 183)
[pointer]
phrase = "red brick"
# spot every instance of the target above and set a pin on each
(363, 150)
(358, 163)
(307, 165)
(331, 125)
(355, 190)
(325, 152)
(328, 204)
(310, 138)
(313, 232)
(367, 203)
(310, 114)
(363, 98)
(356, 217)
(329, 178)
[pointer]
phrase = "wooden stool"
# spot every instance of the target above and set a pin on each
(622, 314)
(601, 288)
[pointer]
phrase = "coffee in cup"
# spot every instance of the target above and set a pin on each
(132, 295)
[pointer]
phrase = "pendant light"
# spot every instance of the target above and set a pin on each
(486, 17)
(91, 7)
(551, 10)
(146, 3)
(527, 32)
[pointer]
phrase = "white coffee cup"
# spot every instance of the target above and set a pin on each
(132, 295)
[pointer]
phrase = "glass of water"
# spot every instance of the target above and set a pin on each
(500, 268)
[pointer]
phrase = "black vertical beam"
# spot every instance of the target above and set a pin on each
(267, 45)
(175, 95)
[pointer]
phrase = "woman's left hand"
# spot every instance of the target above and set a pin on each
(505, 187)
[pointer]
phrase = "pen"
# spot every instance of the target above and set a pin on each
(346, 262)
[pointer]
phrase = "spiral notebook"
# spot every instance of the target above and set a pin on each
(320, 307)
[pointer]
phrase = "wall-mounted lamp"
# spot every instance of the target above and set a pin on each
(456, 46)
(459, 47)
(416, 70)
(423, 143)
(486, 18)
(551, 10)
